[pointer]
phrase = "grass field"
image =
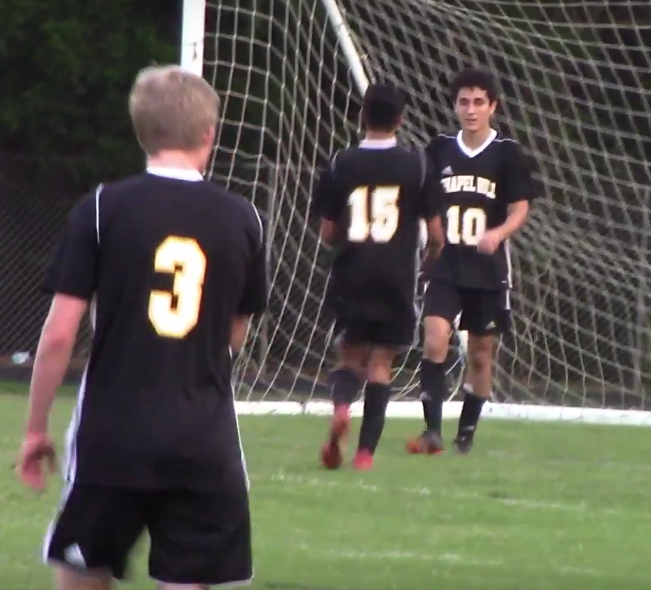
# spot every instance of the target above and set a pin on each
(557, 506)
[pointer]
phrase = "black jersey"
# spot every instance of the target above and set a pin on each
(377, 194)
(168, 260)
(478, 186)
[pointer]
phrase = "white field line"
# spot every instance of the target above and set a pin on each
(400, 556)
(313, 482)
(448, 558)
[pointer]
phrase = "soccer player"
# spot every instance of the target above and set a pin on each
(487, 187)
(171, 267)
(371, 200)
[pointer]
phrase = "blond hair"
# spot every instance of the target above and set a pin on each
(172, 109)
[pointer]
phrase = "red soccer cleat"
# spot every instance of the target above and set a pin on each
(332, 451)
(428, 443)
(363, 460)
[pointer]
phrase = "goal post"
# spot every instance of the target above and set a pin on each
(291, 74)
(192, 35)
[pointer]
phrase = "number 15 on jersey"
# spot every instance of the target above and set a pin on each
(379, 222)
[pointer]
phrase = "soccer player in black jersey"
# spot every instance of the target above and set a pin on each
(171, 267)
(372, 199)
(487, 188)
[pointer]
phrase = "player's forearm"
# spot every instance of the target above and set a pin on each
(434, 248)
(239, 327)
(328, 231)
(436, 238)
(52, 358)
(516, 218)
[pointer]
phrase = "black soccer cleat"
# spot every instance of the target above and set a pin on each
(463, 444)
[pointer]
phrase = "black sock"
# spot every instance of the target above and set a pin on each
(344, 386)
(470, 413)
(376, 400)
(434, 390)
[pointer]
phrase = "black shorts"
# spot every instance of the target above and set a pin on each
(483, 312)
(399, 332)
(196, 537)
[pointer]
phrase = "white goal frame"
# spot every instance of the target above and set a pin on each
(192, 53)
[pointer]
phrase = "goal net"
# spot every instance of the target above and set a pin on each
(575, 79)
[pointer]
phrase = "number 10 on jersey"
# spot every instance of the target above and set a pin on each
(466, 228)
(381, 221)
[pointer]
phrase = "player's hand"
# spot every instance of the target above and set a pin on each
(489, 242)
(36, 460)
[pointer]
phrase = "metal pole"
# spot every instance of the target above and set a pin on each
(642, 291)
(348, 48)
(192, 35)
(270, 226)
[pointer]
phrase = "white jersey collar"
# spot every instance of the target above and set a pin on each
(175, 173)
(471, 153)
(378, 144)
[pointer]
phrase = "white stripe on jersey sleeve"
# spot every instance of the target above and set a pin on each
(98, 192)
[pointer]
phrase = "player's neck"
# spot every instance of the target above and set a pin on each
(379, 136)
(475, 139)
(175, 159)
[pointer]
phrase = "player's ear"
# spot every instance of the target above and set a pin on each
(209, 136)
(493, 107)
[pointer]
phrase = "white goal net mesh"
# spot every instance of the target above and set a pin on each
(575, 79)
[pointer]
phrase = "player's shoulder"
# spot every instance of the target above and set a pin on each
(184, 192)
(439, 143)
(351, 159)
(509, 150)
(164, 183)
(506, 144)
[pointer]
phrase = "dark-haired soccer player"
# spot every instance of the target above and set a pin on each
(371, 200)
(487, 188)
(174, 266)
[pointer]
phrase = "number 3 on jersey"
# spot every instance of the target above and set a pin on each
(173, 314)
(466, 229)
(381, 222)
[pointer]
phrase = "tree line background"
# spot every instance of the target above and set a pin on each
(67, 67)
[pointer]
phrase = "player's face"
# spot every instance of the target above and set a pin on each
(474, 109)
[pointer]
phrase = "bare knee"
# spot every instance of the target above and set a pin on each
(70, 579)
(380, 364)
(479, 374)
(480, 354)
(437, 339)
(354, 358)
(480, 363)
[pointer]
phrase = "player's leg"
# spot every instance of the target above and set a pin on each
(442, 304)
(66, 579)
(485, 316)
(200, 539)
(89, 541)
(345, 381)
(376, 399)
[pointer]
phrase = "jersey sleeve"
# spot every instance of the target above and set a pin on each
(73, 268)
(254, 297)
(433, 151)
(327, 200)
(517, 175)
(430, 192)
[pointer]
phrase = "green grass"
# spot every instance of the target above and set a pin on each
(558, 506)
